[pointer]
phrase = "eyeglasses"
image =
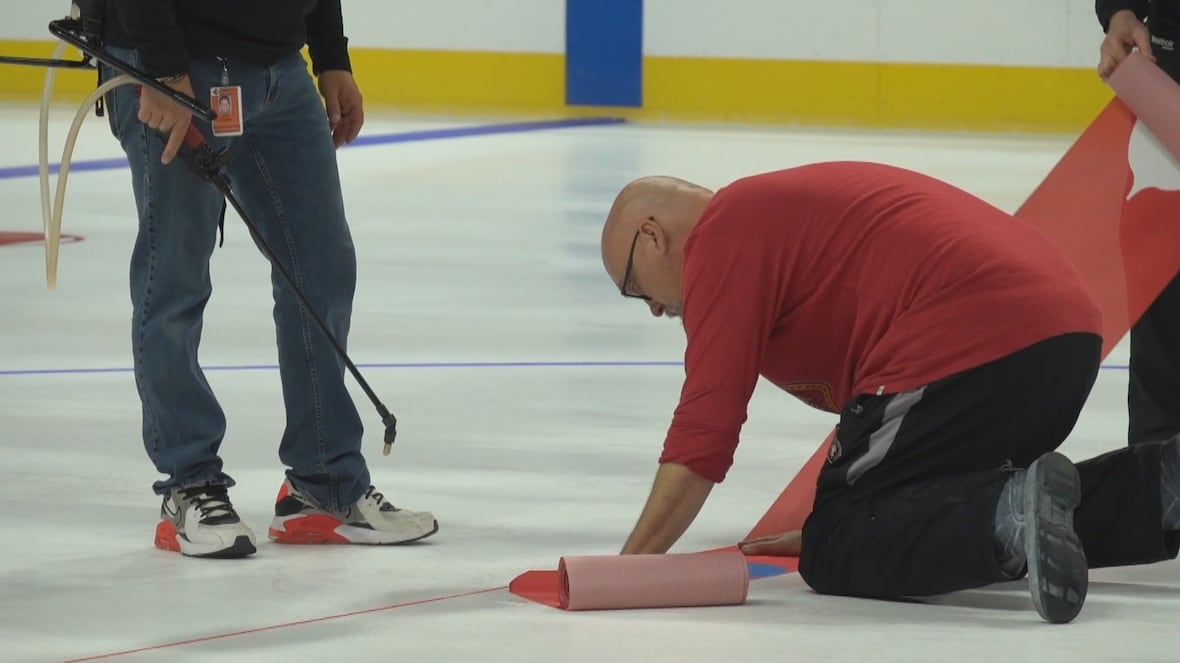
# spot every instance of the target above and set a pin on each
(627, 272)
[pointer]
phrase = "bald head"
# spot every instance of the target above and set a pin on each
(665, 199)
(655, 214)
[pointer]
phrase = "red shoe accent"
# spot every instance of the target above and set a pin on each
(309, 529)
(283, 492)
(166, 536)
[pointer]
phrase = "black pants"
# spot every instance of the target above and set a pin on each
(1153, 391)
(905, 505)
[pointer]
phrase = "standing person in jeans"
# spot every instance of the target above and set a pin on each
(282, 165)
(1153, 394)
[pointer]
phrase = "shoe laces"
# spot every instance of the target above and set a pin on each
(212, 502)
(382, 505)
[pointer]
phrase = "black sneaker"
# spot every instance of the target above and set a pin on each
(1035, 527)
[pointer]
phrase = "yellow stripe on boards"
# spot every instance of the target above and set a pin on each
(19, 83)
(874, 95)
(820, 93)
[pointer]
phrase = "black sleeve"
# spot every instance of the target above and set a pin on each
(326, 43)
(1105, 8)
(151, 27)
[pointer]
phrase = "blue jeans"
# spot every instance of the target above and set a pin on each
(283, 171)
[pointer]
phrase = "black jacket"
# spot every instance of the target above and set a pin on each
(1162, 16)
(168, 32)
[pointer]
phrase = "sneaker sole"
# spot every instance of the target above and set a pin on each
(1058, 574)
(326, 530)
(167, 538)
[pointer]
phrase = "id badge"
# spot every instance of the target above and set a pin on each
(226, 101)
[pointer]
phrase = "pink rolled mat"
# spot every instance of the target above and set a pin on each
(624, 582)
(1151, 95)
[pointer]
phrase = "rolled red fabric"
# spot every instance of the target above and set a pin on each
(1151, 95)
(621, 582)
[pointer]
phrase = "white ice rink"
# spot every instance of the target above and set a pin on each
(532, 399)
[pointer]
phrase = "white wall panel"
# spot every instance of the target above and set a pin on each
(529, 26)
(996, 32)
(28, 19)
(766, 29)
(1084, 35)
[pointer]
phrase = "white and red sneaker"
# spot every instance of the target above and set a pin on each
(200, 521)
(371, 520)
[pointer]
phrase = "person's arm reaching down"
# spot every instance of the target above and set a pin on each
(730, 306)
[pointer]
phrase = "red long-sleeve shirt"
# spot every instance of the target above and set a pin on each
(837, 279)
